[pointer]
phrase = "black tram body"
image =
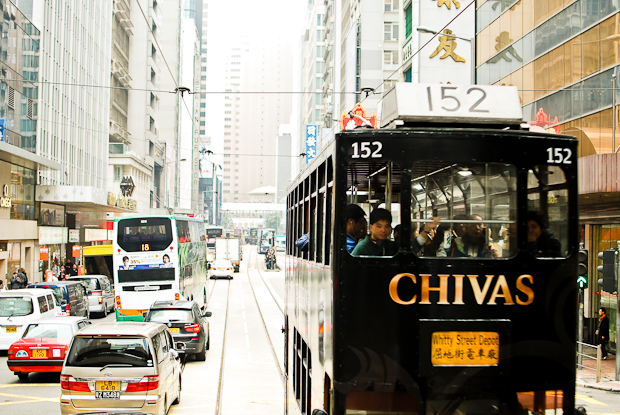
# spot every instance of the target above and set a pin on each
(352, 348)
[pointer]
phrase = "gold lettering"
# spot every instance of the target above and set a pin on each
(480, 294)
(525, 290)
(394, 289)
(458, 289)
(442, 289)
(503, 285)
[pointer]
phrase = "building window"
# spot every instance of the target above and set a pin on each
(319, 19)
(390, 59)
(390, 31)
(118, 173)
(391, 5)
(408, 75)
(408, 22)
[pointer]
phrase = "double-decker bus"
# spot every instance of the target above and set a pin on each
(472, 307)
(157, 258)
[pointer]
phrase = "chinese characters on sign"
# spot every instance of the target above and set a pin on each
(465, 348)
(447, 44)
(448, 3)
(312, 131)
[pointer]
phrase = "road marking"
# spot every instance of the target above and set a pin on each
(589, 400)
(32, 398)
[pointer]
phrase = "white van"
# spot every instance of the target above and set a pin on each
(18, 308)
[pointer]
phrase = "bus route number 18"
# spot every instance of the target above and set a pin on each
(146, 247)
(367, 149)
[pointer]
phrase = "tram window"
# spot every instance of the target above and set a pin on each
(547, 218)
(475, 205)
(329, 208)
(375, 188)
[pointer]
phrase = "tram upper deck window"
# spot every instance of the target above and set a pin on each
(373, 197)
(547, 204)
(463, 210)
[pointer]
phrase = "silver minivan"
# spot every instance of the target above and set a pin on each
(100, 294)
(124, 367)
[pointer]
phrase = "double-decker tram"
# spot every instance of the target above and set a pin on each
(158, 258)
(460, 295)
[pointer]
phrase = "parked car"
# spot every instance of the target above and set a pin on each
(20, 307)
(71, 295)
(99, 292)
(128, 365)
(43, 345)
(221, 268)
(186, 323)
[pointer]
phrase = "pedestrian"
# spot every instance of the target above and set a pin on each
(63, 274)
(1, 284)
(56, 269)
(74, 270)
(25, 281)
(603, 331)
(21, 279)
(14, 282)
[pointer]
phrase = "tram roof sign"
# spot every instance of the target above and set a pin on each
(438, 103)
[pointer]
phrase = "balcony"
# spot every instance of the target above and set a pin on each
(118, 133)
(121, 11)
(120, 73)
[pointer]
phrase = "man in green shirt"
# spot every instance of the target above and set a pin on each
(377, 242)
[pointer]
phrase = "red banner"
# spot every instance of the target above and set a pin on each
(77, 251)
(44, 253)
(347, 123)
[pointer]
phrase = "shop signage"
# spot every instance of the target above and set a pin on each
(50, 235)
(5, 200)
(44, 253)
(51, 215)
(77, 251)
(74, 235)
(92, 235)
(127, 186)
(312, 131)
(122, 202)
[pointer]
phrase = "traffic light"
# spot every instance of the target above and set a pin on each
(582, 269)
(608, 282)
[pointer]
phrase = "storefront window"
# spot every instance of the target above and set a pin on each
(22, 193)
(608, 238)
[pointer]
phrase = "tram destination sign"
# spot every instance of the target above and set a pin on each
(465, 348)
(438, 103)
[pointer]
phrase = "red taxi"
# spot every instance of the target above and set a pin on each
(43, 345)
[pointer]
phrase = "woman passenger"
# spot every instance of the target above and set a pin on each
(540, 240)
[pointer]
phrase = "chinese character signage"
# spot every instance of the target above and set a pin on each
(312, 131)
(465, 348)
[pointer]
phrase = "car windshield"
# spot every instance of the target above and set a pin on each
(166, 315)
(48, 331)
(91, 283)
(101, 351)
(15, 306)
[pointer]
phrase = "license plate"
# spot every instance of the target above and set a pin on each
(11, 329)
(108, 385)
(39, 353)
(465, 348)
(174, 330)
(107, 394)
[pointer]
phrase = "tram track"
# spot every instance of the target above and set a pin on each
(252, 262)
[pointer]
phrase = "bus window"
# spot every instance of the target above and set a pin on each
(547, 217)
(374, 187)
(137, 235)
(463, 210)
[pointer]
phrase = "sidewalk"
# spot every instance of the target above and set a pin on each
(586, 377)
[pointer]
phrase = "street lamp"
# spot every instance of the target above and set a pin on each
(471, 40)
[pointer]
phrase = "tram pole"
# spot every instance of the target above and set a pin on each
(617, 310)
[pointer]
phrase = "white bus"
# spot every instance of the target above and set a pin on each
(157, 258)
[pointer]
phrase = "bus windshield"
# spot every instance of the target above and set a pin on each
(144, 234)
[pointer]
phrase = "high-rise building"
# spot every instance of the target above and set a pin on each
(249, 85)
(19, 158)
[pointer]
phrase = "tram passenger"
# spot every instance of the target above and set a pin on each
(356, 226)
(473, 243)
(424, 242)
(377, 243)
(540, 240)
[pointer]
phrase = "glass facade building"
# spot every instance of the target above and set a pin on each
(19, 69)
(563, 56)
